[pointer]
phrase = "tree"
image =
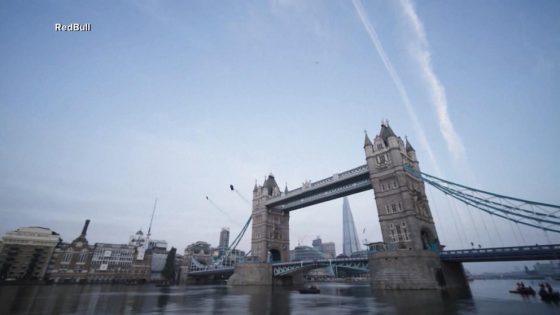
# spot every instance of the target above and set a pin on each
(168, 271)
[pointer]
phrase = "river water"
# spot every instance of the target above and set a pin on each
(488, 297)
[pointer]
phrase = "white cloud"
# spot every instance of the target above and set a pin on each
(420, 51)
(398, 82)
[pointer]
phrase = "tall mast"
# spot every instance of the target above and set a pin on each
(151, 220)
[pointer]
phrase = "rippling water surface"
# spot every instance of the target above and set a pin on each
(488, 297)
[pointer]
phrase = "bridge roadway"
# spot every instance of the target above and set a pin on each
(514, 253)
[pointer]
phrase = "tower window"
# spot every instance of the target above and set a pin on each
(398, 230)
(393, 208)
(405, 235)
(393, 236)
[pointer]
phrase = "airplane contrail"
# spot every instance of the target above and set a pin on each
(437, 90)
(398, 82)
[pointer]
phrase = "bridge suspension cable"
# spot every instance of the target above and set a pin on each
(239, 236)
(535, 214)
(234, 243)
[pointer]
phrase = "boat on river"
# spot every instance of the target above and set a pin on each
(311, 290)
(523, 291)
(549, 296)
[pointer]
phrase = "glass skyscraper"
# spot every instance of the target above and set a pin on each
(350, 241)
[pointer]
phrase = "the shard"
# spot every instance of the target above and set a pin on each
(351, 243)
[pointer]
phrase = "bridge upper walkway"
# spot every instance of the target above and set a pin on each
(342, 184)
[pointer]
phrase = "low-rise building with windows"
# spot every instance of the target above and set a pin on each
(118, 263)
(70, 262)
(26, 253)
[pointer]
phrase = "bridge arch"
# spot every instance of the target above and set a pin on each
(429, 241)
(274, 256)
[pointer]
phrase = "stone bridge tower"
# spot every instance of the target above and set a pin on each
(270, 239)
(271, 228)
(411, 259)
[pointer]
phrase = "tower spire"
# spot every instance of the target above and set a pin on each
(367, 141)
(408, 145)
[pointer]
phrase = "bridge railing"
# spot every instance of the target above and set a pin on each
(319, 261)
(514, 249)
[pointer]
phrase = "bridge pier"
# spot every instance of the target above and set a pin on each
(454, 274)
(209, 279)
(261, 274)
(251, 274)
(414, 270)
(291, 280)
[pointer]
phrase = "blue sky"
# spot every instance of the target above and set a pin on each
(179, 99)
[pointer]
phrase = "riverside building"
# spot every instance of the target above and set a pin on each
(26, 253)
(70, 263)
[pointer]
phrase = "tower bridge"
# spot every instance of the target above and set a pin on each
(412, 257)
(403, 211)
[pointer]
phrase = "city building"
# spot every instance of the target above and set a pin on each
(195, 255)
(328, 249)
(158, 245)
(118, 263)
(307, 253)
(142, 243)
(224, 241)
(235, 256)
(548, 269)
(26, 253)
(199, 251)
(350, 240)
(70, 262)
(156, 249)
(316, 243)
(158, 252)
(138, 239)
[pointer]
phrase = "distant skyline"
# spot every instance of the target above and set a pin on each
(180, 99)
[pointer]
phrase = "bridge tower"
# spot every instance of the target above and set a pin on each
(270, 240)
(271, 228)
(411, 260)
